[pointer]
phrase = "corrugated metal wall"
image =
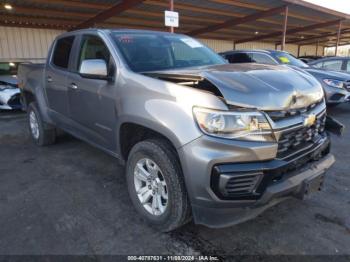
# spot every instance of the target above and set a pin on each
(30, 43)
(255, 45)
(25, 43)
(304, 49)
(221, 46)
(218, 45)
(342, 51)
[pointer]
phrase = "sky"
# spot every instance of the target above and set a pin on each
(338, 5)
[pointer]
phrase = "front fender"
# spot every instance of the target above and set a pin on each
(164, 107)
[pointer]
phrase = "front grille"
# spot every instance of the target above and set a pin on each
(242, 184)
(282, 114)
(295, 140)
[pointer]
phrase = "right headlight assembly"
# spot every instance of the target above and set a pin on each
(252, 126)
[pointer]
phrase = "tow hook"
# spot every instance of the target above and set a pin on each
(310, 186)
(334, 126)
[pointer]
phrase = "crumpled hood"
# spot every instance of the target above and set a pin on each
(265, 87)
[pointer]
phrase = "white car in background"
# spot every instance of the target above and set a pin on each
(9, 91)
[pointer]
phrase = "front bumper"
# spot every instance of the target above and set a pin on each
(336, 95)
(294, 186)
(203, 156)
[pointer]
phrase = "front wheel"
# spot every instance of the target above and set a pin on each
(40, 133)
(156, 185)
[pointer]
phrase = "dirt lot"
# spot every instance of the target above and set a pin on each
(71, 198)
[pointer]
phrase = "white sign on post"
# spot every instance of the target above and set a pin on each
(171, 18)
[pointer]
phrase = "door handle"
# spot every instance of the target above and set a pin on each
(73, 86)
(49, 79)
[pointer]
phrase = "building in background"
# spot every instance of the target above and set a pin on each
(342, 51)
(27, 28)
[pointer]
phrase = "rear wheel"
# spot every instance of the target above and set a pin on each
(40, 132)
(156, 185)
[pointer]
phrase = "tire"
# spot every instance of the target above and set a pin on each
(177, 210)
(42, 134)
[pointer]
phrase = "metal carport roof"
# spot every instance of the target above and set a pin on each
(236, 20)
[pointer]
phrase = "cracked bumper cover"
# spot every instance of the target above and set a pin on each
(202, 155)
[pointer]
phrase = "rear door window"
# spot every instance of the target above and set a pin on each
(239, 58)
(333, 65)
(263, 59)
(318, 65)
(250, 58)
(62, 52)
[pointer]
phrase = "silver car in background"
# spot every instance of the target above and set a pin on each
(334, 63)
(336, 85)
(9, 91)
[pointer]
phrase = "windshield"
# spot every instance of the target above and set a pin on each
(153, 52)
(8, 68)
(287, 59)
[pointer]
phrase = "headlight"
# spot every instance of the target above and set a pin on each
(334, 83)
(251, 126)
(3, 87)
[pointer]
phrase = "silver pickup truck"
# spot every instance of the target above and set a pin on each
(200, 138)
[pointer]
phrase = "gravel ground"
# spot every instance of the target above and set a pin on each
(71, 198)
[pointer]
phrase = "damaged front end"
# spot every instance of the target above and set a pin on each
(194, 81)
(247, 174)
(296, 114)
(288, 97)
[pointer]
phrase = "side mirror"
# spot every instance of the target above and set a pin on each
(94, 68)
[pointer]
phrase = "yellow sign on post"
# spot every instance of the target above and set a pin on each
(284, 59)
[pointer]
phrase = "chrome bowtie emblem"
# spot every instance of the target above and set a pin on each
(309, 120)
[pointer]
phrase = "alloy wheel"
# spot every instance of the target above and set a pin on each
(150, 186)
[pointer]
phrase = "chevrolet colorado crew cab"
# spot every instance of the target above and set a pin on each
(200, 138)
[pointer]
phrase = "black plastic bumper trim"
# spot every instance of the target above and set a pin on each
(273, 170)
